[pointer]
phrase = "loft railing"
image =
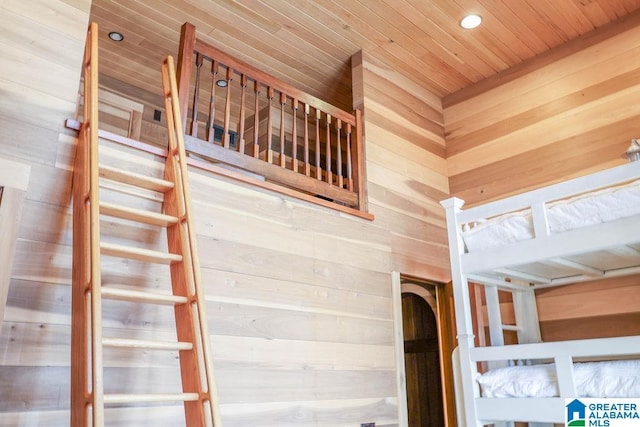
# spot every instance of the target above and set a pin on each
(237, 115)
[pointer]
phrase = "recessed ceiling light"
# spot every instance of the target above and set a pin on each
(116, 36)
(222, 83)
(470, 21)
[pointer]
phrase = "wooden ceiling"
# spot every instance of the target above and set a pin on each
(309, 43)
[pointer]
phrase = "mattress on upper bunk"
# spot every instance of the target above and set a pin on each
(589, 209)
(620, 378)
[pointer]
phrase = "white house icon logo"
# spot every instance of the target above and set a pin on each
(576, 413)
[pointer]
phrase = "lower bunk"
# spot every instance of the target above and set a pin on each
(542, 375)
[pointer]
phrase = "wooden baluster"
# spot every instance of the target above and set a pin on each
(256, 120)
(339, 154)
(212, 102)
(269, 157)
(318, 170)
(294, 136)
(349, 170)
(283, 102)
(359, 176)
(328, 151)
(185, 65)
(307, 166)
(196, 90)
(227, 110)
(243, 86)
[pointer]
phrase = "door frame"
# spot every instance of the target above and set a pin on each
(443, 309)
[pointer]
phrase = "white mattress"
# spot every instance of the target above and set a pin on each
(619, 378)
(585, 210)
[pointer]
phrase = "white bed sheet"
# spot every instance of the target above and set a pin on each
(620, 378)
(581, 211)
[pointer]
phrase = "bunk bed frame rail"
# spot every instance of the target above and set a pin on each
(498, 269)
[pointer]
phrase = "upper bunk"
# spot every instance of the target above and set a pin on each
(577, 230)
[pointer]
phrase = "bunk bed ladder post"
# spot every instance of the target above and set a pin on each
(495, 318)
(526, 313)
(496, 333)
(469, 390)
(199, 394)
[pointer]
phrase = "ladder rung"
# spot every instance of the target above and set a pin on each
(139, 296)
(144, 398)
(152, 345)
(139, 215)
(136, 179)
(139, 254)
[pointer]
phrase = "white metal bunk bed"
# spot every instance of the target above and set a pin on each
(547, 248)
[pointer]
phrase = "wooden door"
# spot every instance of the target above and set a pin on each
(422, 363)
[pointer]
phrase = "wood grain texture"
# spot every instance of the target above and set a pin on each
(11, 201)
(331, 413)
(239, 385)
(309, 44)
(225, 286)
(565, 119)
(298, 295)
(40, 80)
(299, 305)
(598, 298)
(406, 177)
(547, 122)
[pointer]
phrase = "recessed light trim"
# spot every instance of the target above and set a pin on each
(470, 22)
(116, 36)
(222, 83)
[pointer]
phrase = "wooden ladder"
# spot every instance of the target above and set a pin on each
(88, 398)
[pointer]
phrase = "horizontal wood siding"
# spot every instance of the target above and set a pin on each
(299, 306)
(42, 44)
(406, 167)
(555, 121)
(299, 296)
(598, 309)
(565, 119)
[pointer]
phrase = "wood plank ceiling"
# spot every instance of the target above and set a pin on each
(308, 43)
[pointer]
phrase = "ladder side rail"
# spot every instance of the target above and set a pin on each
(180, 280)
(80, 276)
(97, 375)
(177, 148)
(86, 256)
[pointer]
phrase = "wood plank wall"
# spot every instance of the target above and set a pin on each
(299, 302)
(406, 167)
(42, 45)
(299, 296)
(14, 181)
(546, 122)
